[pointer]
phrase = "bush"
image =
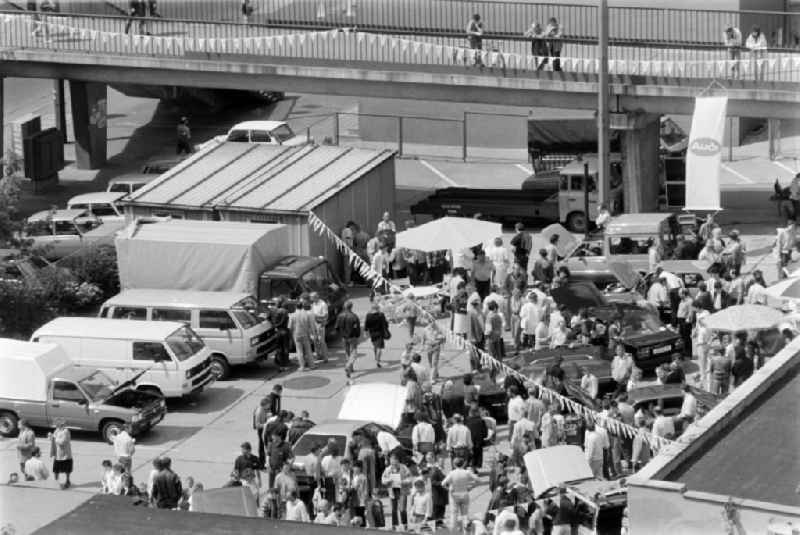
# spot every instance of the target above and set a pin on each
(29, 304)
(96, 266)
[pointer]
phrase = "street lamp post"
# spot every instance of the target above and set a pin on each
(603, 146)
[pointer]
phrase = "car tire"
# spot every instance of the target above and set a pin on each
(576, 222)
(9, 424)
(110, 429)
(220, 367)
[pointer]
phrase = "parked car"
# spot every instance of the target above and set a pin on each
(59, 233)
(644, 336)
(598, 502)
(361, 411)
(265, 132)
(226, 321)
(101, 205)
(40, 384)
(160, 165)
(669, 398)
(128, 183)
(15, 267)
(491, 396)
(175, 362)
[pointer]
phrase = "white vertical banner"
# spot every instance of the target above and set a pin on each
(704, 156)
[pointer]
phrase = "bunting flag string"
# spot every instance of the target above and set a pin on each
(368, 273)
(422, 51)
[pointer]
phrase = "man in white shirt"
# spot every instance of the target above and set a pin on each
(593, 449)
(516, 407)
(663, 426)
(319, 308)
(423, 436)
(657, 294)
(124, 447)
(605, 442)
(589, 382)
(702, 340)
(523, 427)
(295, 509)
(689, 405)
(603, 217)
(459, 439)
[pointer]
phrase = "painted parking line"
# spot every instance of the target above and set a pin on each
(524, 168)
(737, 174)
(438, 173)
(784, 166)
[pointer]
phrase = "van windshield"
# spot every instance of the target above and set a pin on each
(243, 312)
(97, 386)
(184, 343)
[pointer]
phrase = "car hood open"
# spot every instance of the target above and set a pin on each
(550, 467)
(623, 271)
(381, 403)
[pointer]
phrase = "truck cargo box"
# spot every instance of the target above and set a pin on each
(26, 368)
(216, 256)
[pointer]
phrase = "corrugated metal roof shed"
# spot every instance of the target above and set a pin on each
(260, 177)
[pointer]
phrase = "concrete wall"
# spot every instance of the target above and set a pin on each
(669, 511)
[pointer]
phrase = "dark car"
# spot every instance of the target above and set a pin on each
(295, 275)
(572, 363)
(644, 336)
(491, 396)
(669, 398)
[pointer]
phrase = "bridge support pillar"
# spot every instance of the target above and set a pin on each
(89, 109)
(640, 144)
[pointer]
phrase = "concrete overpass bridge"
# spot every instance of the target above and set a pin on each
(92, 51)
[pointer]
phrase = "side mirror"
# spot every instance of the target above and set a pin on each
(83, 401)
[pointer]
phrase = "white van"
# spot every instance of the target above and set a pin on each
(224, 320)
(174, 360)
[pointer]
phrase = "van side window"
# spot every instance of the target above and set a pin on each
(172, 314)
(66, 391)
(153, 351)
(129, 313)
(103, 210)
(216, 319)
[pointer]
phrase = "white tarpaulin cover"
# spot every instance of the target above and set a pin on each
(382, 403)
(26, 368)
(704, 156)
(453, 233)
(217, 256)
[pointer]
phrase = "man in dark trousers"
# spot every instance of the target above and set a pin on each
(279, 452)
(184, 136)
(477, 428)
(261, 416)
(279, 317)
(136, 9)
(274, 398)
(522, 243)
(167, 487)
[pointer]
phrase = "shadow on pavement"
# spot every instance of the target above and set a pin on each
(162, 434)
(212, 399)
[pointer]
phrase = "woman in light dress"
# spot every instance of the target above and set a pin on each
(502, 260)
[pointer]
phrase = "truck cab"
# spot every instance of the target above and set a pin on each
(293, 276)
(572, 191)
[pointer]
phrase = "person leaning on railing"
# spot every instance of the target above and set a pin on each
(554, 42)
(732, 39)
(756, 43)
(538, 43)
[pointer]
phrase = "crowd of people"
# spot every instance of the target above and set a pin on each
(497, 305)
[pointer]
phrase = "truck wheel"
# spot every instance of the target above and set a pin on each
(110, 429)
(8, 424)
(220, 367)
(576, 222)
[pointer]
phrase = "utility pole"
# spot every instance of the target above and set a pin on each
(603, 145)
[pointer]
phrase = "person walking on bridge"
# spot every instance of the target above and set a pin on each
(475, 38)
(137, 10)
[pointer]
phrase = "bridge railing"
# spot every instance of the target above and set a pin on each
(659, 24)
(261, 44)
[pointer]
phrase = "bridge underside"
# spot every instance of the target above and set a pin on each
(560, 90)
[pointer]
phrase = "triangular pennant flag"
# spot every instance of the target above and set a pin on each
(237, 46)
(404, 45)
(290, 40)
(416, 47)
(333, 34)
(360, 37)
(797, 63)
(269, 43)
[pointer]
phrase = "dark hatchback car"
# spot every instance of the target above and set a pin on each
(293, 276)
(644, 336)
